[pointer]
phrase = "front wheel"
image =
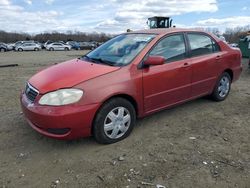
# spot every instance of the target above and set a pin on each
(114, 121)
(222, 88)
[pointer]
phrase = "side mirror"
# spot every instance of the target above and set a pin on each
(154, 60)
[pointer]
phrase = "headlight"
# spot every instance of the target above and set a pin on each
(61, 97)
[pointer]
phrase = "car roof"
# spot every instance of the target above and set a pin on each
(163, 31)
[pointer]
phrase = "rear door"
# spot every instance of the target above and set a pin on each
(170, 83)
(205, 59)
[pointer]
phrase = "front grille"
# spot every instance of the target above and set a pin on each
(31, 92)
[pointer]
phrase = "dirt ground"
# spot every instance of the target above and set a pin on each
(199, 144)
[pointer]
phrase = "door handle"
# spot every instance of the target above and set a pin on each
(186, 65)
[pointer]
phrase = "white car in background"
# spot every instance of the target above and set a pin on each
(234, 45)
(58, 46)
(28, 47)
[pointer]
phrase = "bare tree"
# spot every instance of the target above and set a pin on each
(233, 35)
(9, 37)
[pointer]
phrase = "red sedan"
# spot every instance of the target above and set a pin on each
(130, 76)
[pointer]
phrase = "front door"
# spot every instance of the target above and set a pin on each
(170, 83)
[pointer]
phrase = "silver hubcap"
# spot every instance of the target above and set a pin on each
(117, 122)
(224, 86)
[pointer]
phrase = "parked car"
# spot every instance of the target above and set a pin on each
(87, 46)
(75, 45)
(28, 47)
(60, 41)
(11, 46)
(130, 76)
(3, 47)
(39, 43)
(58, 46)
(246, 38)
(46, 43)
(234, 45)
(18, 43)
(94, 44)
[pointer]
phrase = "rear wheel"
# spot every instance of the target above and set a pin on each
(51, 49)
(222, 87)
(114, 121)
(66, 49)
(36, 49)
(20, 49)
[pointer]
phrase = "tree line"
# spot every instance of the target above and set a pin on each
(11, 37)
(232, 35)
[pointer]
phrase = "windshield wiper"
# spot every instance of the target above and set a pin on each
(104, 61)
(99, 60)
(86, 57)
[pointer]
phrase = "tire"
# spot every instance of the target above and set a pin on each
(20, 49)
(222, 87)
(51, 49)
(2, 50)
(66, 49)
(36, 49)
(119, 111)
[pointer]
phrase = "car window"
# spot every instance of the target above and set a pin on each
(216, 47)
(171, 48)
(202, 44)
(121, 50)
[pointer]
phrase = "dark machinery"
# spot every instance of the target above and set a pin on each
(159, 22)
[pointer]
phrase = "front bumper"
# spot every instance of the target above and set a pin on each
(60, 122)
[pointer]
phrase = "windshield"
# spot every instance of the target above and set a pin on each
(120, 50)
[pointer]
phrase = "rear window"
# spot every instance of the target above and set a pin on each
(202, 44)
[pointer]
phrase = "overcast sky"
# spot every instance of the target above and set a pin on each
(115, 16)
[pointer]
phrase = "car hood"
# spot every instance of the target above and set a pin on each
(68, 74)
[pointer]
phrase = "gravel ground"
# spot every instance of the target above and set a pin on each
(198, 144)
